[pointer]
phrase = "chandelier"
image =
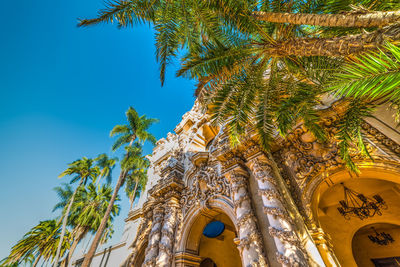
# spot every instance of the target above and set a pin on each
(381, 238)
(358, 205)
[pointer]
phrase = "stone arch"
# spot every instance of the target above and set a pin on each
(189, 247)
(321, 199)
(221, 204)
(368, 169)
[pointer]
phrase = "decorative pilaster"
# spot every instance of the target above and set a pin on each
(154, 237)
(142, 234)
(289, 247)
(249, 243)
(166, 245)
(168, 191)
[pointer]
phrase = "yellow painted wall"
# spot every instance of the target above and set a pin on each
(364, 250)
(223, 252)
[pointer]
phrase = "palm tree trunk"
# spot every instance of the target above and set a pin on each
(71, 251)
(134, 194)
(370, 19)
(37, 260)
(81, 233)
(64, 225)
(336, 46)
(103, 224)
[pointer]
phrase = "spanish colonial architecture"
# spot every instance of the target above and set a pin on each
(210, 204)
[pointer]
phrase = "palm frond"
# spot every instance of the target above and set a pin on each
(371, 76)
(350, 132)
(125, 13)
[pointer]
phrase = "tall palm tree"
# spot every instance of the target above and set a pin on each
(40, 242)
(106, 166)
(87, 211)
(82, 170)
(135, 183)
(135, 130)
(261, 63)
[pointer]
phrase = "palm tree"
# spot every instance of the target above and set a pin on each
(135, 183)
(87, 210)
(136, 129)
(40, 242)
(184, 23)
(82, 170)
(106, 165)
(258, 63)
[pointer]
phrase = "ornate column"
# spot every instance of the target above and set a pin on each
(249, 243)
(154, 237)
(166, 244)
(324, 245)
(169, 189)
(289, 247)
(142, 233)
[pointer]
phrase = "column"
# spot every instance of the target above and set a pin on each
(289, 247)
(166, 244)
(142, 235)
(249, 238)
(323, 242)
(154, 237)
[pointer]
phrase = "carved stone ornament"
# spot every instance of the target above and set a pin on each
(206, 184)
(383, 139)
(307, 156)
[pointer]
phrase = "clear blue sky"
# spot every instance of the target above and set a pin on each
(62, 89)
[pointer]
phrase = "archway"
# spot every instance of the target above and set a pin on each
(199, 248)
(325, 203)
(208, 263)
(368, 253)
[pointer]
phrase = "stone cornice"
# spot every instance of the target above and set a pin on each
(134, 215)
(381, 138)
(170, 187)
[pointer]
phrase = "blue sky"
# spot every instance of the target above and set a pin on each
(62, 89)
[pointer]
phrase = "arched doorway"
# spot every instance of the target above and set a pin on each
(208, 263)
(215, 248)
(325, 206)
(377, 245)
(221, 249)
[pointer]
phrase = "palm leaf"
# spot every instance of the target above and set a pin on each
(371, 76)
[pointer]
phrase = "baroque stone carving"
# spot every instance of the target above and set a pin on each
(206, 184)
(307, 156)
(250, 244)
(281, 224)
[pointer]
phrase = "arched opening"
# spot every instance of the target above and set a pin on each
(377, 245)
(326, 201)
(210, 238)
(208, 263)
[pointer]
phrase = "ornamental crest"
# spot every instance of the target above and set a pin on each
(204, 185)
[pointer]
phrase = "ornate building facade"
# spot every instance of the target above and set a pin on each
(281, 208)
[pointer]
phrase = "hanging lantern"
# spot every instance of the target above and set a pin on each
(358, 205)
(381, 238)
